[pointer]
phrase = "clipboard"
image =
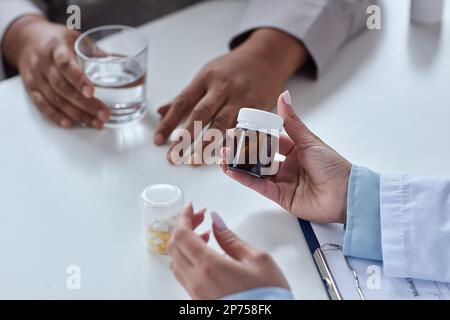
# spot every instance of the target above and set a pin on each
(346, 278)
(322, 265)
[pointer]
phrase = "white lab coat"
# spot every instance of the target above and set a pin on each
(415, 227)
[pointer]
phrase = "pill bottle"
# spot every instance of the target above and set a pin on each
(160, 205)
(255, 142)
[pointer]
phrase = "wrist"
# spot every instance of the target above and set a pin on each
(276, 48)
(17, 37)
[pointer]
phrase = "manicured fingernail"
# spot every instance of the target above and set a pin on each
(97, 124)
(65, 123)
(287, 97)
(103, 115)
(158, 139)
(218, 221)
(86, 92)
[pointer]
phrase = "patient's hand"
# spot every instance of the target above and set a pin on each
(312, 181)
(205, 273)
(251, 75)
(43, 52)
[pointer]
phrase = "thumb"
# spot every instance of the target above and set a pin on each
(295, 128)
(229, 241)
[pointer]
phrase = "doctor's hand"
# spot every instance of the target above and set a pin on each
(43, 52)
(205, 273)
(251, 75)
(311, 182)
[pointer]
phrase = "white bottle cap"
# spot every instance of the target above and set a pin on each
(258, 120)
(161, 200)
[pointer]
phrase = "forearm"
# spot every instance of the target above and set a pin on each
(274, 47)
(322, 26)
(16, 38)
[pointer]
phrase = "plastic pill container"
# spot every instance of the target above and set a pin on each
(160, 205)
(256, 141)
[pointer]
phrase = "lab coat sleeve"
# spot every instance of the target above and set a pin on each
(362, 236)
(415, 227)
(11, 10)
(402, 220)
(323, 26)
(269, 293)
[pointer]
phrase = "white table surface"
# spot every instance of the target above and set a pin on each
(69, 197)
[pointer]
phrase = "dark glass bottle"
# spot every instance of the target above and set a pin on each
(255, 142)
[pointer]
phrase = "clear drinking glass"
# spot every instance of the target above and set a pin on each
(115, 59)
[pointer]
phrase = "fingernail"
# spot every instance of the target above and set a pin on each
(158, 139)
(65, 123)
(218, 221)
(86, 92)
(97, 124)
(103, 115)
(286, 97)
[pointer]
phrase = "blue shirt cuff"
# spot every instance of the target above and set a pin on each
(269, 293)
(362, 237)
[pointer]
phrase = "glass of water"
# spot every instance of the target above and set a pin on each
(114, 58)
